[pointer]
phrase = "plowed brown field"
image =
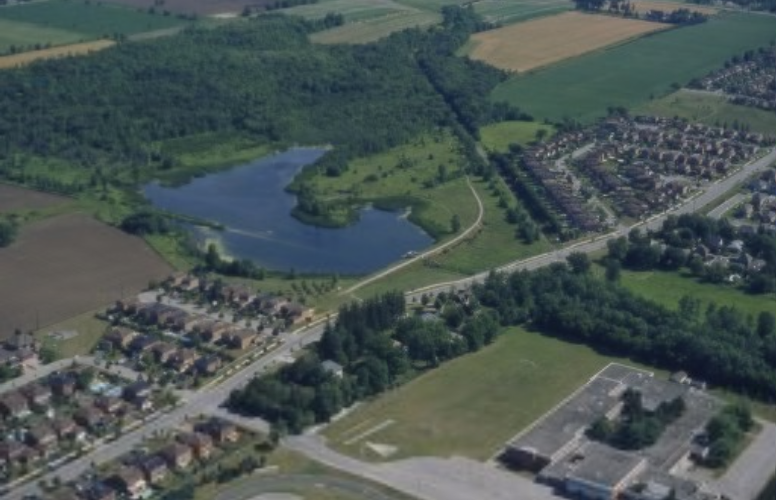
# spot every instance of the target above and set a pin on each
(533, 44)
(70, 264)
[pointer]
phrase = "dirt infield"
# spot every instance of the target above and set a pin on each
(75, 49)
(533, 44)
(17, 198)
(70, 264)
(643, 6)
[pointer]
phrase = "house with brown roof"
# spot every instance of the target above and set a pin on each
(97, 490)
(183, 360)
(208, 365)
(297, 313)
(109, 404)
(242, 339)
(131, 481)
(164, 351)
(63, 384)
(128, 306)
(11, 451)
(65, 428)
(212, 331)
(201, 444)
(154, 468)
(13, 405)
(177, 455)
(42, 436)
(121, 337)
(222, 431)
(90, 417)
(38, 395)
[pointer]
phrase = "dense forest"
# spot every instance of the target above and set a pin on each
(377, 346)
(719, 344)
(115, 116)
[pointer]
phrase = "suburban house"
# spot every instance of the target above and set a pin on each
(90, 417)
(97, 490)
(297, 313)
(128, 306)
(208, 365)
(142, 344)
(154, 467)
(13, 405)
(62, 384)
(242, 339)
(42, 436)
(164, 351)
(183, 359)
(121, 337)
(212, 331)
(38, 396)
(136, 390)
(220, 430)
(109, 404)
(11, 451)
(130, 480)
(236, 294)
(177, 455)
(201, 444)
(65, 428)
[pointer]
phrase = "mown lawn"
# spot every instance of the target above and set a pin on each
(710, 109)
(90, 331)
(23, 35)
(472, 405)
(630, 74)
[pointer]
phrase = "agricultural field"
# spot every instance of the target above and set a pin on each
(709, 108)
(89, 20)
(92, 265)
(13, 198)
(644, 6)
(352, 10)
(498, 392)
(76, 49)
(583, 88)
(508, 11)
(197, 7)
(498, 136)
(370, 30)
(533, 44)
(18, 34)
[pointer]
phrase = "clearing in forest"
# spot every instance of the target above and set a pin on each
(533, 44)
(644, 6)
(76, 49)
(370, 30)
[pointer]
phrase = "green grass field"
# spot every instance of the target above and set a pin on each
(89, 328)
(667, 288)
(498, 392)
(373, 29)
(89, 21)
(498, 136)
(508, 11)
(710, 109)
(352, 10)
(20, 34)
(630, 74)
(403, 172)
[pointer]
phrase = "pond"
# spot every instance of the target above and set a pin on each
(251, 203)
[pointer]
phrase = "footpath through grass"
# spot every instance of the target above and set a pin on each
(630, 74)
(472, 405)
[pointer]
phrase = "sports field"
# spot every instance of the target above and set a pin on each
(541, 42)
(62, 266)
(497, 392)
(629, 74)
(76, 49)
(711, 109)
(509, 11)
(369, 30)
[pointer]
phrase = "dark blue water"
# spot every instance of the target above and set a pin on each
(250, 201)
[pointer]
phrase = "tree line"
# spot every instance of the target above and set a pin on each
(378, 347)
(719, 344)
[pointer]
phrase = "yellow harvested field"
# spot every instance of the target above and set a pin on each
(533, 44)
(75, 49)
(643, 6)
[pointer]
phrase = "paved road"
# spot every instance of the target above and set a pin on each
(723, 208)
(752, 470)
(709, 194)
(428, 253)
(261, 484)
(429, 478)
(203, 401)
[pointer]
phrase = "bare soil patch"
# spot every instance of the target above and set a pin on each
(76, 49)
(18, 198)
(533, 44)
(644, 6)
(66, 265)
